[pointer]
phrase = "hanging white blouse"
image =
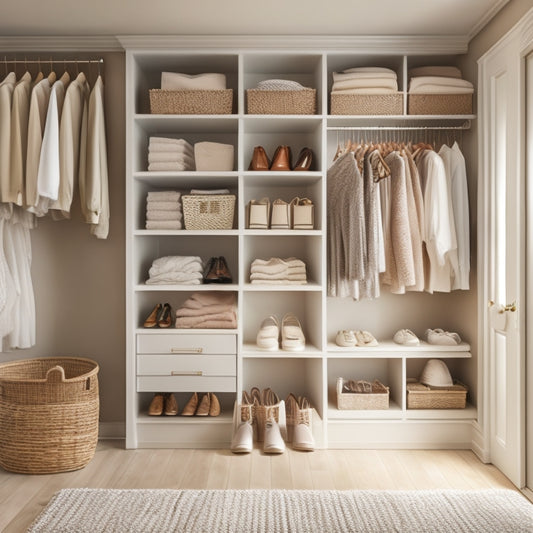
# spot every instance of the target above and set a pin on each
(94, 191)
(39, 99)
(69, 144)
(6, 99)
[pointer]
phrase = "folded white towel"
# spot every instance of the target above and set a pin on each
(375, 70)
(170, 157)
(170, 147)
(346, 76)
(158, 196)
(163, 215)
(170, 140)
(365, 90)
(156, 205)
(415, 83)
(163, 224)
(448, 71)
(184, 278)
(175, 263)
(168, 166)
(209, 191)
(280, 85)
(359, 83)
(208, 81)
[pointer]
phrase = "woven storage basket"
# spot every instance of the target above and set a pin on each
(440, 104)
(261, 102)
(48, 414)
(377, 399)
(189, 102)
(421, 396)
(367, 104)
(208, 211)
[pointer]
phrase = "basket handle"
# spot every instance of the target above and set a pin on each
(55, 374)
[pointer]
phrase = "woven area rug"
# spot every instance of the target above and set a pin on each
(281, 511)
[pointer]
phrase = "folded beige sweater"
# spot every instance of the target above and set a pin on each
(202, 299)
(228, 319)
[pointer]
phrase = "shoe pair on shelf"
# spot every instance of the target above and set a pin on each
(292, 337)
(163, 403)
(207, 406)
(439, 336)
(299, 213)
(161, 316)
(281, 160)
(350, 338)
(406, 337)
(217, 271)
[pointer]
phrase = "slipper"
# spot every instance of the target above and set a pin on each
(439, 336)
(406, 337)
(345, 338)
(292, 337)
(268, 334)
(365, 338)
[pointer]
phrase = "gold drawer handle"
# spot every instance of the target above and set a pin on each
(186, 350)
(185, 373)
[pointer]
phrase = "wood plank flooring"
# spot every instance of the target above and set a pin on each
(22, 497)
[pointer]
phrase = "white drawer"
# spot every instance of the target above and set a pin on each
(186, 384)
(186, 365)
(183, 343)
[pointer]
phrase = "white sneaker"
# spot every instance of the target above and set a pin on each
(273, 441)
(438, 336)
(303, 438)
(243, 438)
(345, 338)
(268, 334)
(406, 337)
(365, 338)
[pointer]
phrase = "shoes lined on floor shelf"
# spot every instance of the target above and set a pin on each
(282, 160)
(350, 338)
(165, 403)
(290, 333)
(299, 213)
(433, 336)
(160, 316)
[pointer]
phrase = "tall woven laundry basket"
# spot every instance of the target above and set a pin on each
(49, 411)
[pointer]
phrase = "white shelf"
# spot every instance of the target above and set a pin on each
(251, 351)
(468, 413)
(191, 331)
(308, 287)
(223, 418)
(394, 412)
(283, 232)
(187, 288)
(391, 349)
(186, 232)
(176, 124)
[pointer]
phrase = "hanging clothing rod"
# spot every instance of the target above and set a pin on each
(50, 60)
(464, 126)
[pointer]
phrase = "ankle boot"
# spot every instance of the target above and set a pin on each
(191, 405)
(282, 159)
(203, 408)
(171, 405)
(214, 407)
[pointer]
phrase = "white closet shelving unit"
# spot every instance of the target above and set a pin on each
(168, 360)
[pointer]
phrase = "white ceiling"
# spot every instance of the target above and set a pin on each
(245, 17)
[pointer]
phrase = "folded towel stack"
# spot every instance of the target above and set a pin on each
(276, 271)
(208, 310)
(176, 270)
(165, 153)
(177, 81)
(163, 210)
(438, 80)
(365, 80)
(280, 85)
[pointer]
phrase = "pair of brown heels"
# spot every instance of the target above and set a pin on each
(217, 271)
(281, 160)
(163, 403)
(207, 406)
(161, 315)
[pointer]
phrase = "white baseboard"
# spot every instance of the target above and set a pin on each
(112, 430)
(479, 444)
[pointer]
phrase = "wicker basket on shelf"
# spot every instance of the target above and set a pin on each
(440, 104)
(208, 211)
(377, 399)
(263, 102)
(191, 102)
(421, 396)
(367, 104)
(49, 411)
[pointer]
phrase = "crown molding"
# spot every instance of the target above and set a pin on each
(67, 43)
(389, 44)
(486, 18)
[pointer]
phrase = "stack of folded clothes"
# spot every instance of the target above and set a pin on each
(163, 210)
(208, 310)
(438, 80)
(276, 271)
(178, 81)
(176, 270)
(165, 153)
(365, 80)
(280, 85)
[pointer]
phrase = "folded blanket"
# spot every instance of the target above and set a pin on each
(205, 310)
(156, 205)
(163, 166)
(163, 196)
(375, 70)
(172, 278)
(447, 71)
(278, 282)
(280, 85)
(209, 191)
(172, 157)
(175, 263)
(415, 83)
(195, 321)
(276, 265)
(441, 89)
(346, 76)
(277, 277)
(163, 215)
(169, 147)
(201, 299)
(385, 83)
(170, 140)
(365, 90)
(176, 80)
(164, 224)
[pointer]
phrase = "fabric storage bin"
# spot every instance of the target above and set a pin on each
(367, 104)
(440, 104)
(421, 396)
(377, 399)
(191, 102)
(208, 211)
(299, 102)
(210, 156)
(49, 411)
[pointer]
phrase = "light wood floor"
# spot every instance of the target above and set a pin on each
(22, 497)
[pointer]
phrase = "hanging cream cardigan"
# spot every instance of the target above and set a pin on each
(6, 98)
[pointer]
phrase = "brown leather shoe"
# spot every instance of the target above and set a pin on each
(210, 272)
(305, 159)
(205, 404)
(171, 405)
(223, 273)
(165, 318)
(259, 159)
(282, 159)
(151, 321)
(214, 408)
(190, 406)
(156, 405)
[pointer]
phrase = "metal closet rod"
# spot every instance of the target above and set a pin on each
(51, 60)
(465, 126)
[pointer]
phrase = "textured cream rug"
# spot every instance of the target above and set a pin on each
(281, 511)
